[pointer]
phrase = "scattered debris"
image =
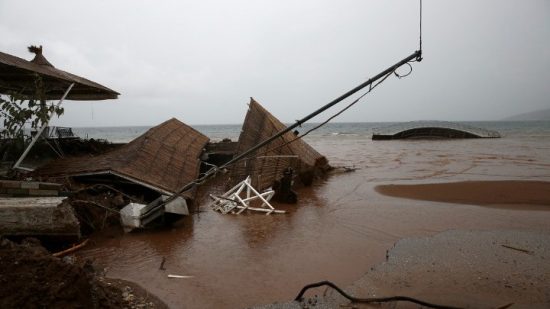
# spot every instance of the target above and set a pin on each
(180, 277)
(162, 263)
(98, 207)
(218, 153)
(46, 150)
(518, 249)
(71, 249)
(232, 199)
(283, 188)
(135, 215)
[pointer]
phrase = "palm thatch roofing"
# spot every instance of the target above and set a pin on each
(18, 75)
(165, 158)
(269, 162)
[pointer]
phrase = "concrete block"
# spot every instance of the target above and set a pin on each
(17, 192)
(30, 185)
(37, 216)
(33, 192)
(10, 184)
(49, 186)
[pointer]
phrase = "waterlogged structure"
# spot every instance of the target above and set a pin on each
(268, 164)
(163, 159)
(431, 129)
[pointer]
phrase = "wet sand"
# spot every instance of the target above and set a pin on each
(459, 268)
(533, 195)
(340, 229)
(481, 269)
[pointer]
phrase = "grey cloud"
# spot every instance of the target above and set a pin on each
(201, 60)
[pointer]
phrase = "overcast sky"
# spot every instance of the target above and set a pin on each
(200, 61)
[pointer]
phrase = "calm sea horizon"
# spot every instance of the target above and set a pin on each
(217, 132)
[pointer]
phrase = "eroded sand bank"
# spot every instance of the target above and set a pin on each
(511, 194)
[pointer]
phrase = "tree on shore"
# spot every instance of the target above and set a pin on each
(18, 111)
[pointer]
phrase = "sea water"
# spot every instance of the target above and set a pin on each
(340, 227)
(330, 130)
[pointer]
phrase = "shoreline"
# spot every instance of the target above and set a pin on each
(404, 238)
(458, 268)
(409, 213)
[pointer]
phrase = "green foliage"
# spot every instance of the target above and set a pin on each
(17, 110)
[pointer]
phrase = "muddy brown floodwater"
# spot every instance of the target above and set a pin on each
(340, 228)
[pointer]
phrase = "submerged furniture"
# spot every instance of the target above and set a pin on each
(239, 199)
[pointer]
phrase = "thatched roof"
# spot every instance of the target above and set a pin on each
(19, 75)
(165, 158)
(270, 161)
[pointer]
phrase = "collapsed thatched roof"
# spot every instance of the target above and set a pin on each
(165, 158)
(269, 162)
(18, 75)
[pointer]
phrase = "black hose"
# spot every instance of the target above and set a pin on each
(370, 300)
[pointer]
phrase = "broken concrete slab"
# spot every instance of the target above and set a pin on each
(15, 188)
(38, 217)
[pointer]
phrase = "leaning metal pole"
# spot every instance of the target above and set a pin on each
(38, 134)
(417, 55)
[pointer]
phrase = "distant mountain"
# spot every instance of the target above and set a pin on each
(543, 114)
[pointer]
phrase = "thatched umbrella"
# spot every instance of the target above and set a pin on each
(20, 76)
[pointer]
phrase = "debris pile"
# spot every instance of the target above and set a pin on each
(151, 167)
(241, 197)
(36, 279)
(163, 159)
(267, 166)
(130, 183)
(32, 278)
(97, 207)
